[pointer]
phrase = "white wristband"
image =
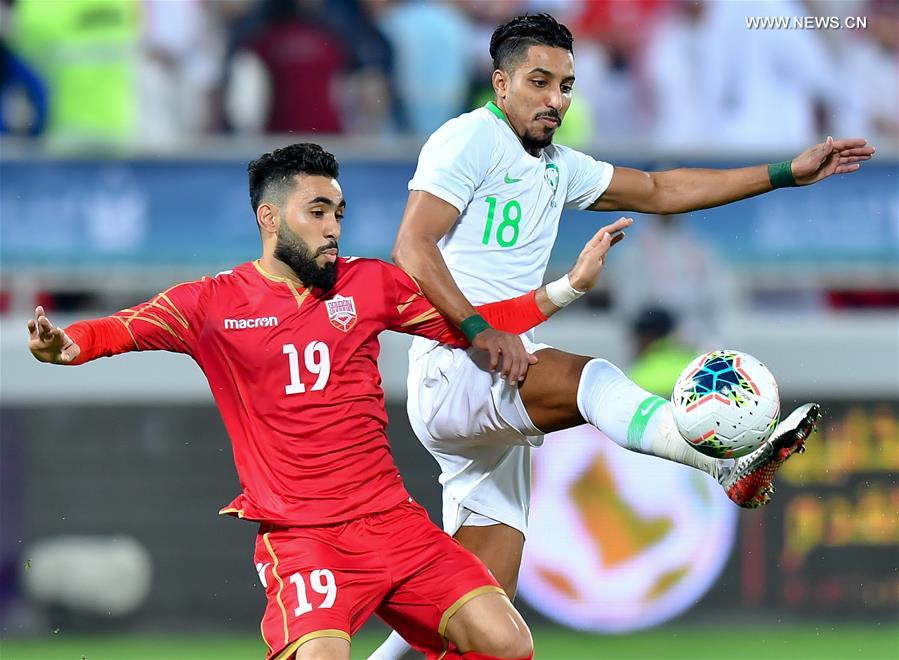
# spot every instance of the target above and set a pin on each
(561, 293)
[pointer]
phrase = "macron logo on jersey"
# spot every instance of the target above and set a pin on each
(243, 324)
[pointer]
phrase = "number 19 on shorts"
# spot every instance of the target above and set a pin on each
(506, 234)
(322, 582)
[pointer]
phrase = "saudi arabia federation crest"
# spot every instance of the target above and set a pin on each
(551, 175)
(342, 312)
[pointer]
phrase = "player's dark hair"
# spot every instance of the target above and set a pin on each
(511, 40)
(271, 172)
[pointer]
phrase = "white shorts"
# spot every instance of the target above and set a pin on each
(476, 427)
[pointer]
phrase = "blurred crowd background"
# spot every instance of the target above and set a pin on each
(126, 128)
(674, 74)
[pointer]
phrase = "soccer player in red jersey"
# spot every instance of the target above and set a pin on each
(289, 346)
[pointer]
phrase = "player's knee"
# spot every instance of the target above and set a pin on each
(512, 639)
(513, 642)
(520, 645)
(488, 625)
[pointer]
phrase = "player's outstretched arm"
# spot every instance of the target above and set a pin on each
(170, 321)
(689, 189)
(49, 343)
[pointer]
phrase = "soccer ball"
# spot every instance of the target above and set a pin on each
(726, 404)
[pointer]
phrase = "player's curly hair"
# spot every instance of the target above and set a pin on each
(270, 173)
(511, 40)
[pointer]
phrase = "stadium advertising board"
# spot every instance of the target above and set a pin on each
(619, 541)
(832, 539)
(163, 213)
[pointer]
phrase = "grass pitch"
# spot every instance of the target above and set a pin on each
(774, 642)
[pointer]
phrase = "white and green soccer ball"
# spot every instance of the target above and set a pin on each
(726, 404)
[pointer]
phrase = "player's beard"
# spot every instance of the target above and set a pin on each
(534, 143)
(296, 253)
(541, 140)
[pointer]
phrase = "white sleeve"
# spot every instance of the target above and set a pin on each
(587, 179)
(454, 161)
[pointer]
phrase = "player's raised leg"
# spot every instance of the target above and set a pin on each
(563, 390)
(568, 390)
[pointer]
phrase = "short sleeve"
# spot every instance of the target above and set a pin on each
(588, 178)
(455, 160)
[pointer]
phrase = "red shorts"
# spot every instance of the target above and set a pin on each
(327, 581)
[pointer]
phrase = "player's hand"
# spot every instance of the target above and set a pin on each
(585, 273)
(830, 157)
(507, 353)
(49, 343)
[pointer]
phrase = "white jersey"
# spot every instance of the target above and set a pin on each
(470, 419)
(509, 201)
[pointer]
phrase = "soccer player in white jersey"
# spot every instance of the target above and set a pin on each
(481, 219)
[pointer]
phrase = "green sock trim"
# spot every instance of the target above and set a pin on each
(642, 415)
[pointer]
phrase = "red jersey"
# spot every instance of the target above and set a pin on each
(295, 376)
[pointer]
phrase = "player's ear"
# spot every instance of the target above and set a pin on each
(500, 83)
(267, 218)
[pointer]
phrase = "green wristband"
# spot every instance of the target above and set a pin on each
(473, 325)
(781, 175)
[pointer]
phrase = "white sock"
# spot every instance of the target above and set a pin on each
(394, 648)
(633, 418)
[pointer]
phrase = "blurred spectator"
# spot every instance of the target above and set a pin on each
(689, 69)
(326, 65)
(660, 355)
(610, 44)
(662, 263)
(242, 96)
(786, 70)
(715, 82)
(870, 64)
(23, 97)
(431, 43)
(622, 27)
(670, 74)
(372, 104)
(178, 70)
(86, 51)
(303, 59)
